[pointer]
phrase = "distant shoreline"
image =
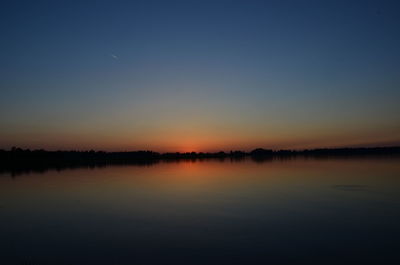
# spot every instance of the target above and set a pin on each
(19, 154)
(16, 151)
(18, 161)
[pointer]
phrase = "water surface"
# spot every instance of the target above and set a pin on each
(293, 211)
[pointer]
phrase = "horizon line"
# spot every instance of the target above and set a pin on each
(15, 148)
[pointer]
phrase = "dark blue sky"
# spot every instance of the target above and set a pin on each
(197, 75)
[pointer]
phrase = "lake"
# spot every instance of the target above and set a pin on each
(280, 211)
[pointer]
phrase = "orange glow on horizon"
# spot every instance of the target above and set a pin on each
(190, 140)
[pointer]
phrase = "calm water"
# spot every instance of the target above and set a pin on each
(299, 211)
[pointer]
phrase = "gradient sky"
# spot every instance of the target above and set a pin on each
(199, 75)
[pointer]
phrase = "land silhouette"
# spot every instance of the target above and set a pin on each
(18, 161)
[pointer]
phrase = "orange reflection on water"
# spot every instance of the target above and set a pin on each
(187, 176)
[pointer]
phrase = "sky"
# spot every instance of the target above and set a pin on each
(199, 75)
